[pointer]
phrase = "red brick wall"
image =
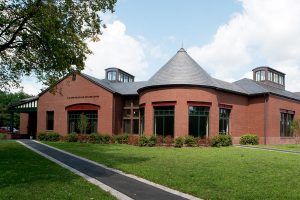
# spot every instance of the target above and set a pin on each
(273, 128)
(58, 102)
(23, 123)
(238, 119)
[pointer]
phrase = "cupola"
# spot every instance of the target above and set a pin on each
(269, 76)
(117, 75)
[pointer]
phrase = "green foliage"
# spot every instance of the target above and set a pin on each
(296, 130)
(179, 142)
(48, 136)
(121, 139)
(47, 38)
(221, 141)
(143, 141)
(72, 137)
(2, 136)
(190, 141)
(249, 139)
(7, 99)
(106, 139)
(99, 139)
(152, 141)
(83, 123)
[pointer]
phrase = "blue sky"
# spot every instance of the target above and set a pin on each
(228, 38)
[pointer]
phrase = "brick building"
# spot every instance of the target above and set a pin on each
(180, 99)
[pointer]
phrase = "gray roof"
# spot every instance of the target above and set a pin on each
(183, 70)
(255, 88)
(129, 88)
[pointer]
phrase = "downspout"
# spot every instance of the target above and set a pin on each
(265, 117)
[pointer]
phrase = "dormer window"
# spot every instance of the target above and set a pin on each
(260, 76)
(269, 76)
(117, 75)
(111, 76)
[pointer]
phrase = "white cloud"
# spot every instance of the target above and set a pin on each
(117, 49)
(264, 33)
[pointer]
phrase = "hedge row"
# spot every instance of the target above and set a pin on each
(189, 141)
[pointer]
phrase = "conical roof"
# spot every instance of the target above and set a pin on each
(181, 70)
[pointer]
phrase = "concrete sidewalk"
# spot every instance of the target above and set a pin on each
(117, 183)
(268, 149)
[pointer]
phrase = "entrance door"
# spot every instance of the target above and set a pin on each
(32, 124)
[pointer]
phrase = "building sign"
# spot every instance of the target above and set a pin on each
(82, 97)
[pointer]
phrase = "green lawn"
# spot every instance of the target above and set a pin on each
(291, 147)
(209, 173)
(27, 175)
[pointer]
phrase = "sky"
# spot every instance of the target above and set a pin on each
(228, 38)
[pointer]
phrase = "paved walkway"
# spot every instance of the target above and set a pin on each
(269, 149)
(126, 185)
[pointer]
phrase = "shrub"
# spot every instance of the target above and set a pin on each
(122, 139)
(159, 140)
(83, 138)
(221, 140)
(2, 136)
(190, 141)
(168, 140)
(72, 137)
(143, 141)
(48, 136)
(205, 142)
(179, 142)
(133, 139)
(249, 139)
(152, 141)
(106, 139)
(95, 138)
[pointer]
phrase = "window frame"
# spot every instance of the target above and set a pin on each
(223, 119)
(47, 120)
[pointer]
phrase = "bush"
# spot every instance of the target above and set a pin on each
(159, 140)
(249, 139)
(48, 136)
(95, 138)
(122, 139)
(205, 142)
(2, 136)
(168, 140)
(133, 139)
(72, 137)
(190, 141)
(152, 141)
(82, 138)
(221, 141)
(106, 139)
(179, 142)
(143, 141)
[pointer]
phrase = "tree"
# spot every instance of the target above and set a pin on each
(7, 99)
(83, 123)
(295, 126)
(47, 37)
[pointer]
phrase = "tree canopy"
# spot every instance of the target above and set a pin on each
(47, 37)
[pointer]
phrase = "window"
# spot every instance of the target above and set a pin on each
(74, 118)
(281, 80)
(285, 124)
(131, 116)
(164, 120)
(142, 120)
(270, 76)
(260, 75)
(111, 76)
(275, 78)
(198, 121)
(126, 79)
(50, 120)
(224, 121)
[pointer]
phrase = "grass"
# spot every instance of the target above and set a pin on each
(209, 173)
(27, 175)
